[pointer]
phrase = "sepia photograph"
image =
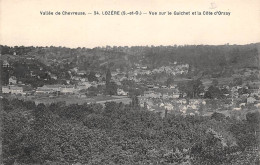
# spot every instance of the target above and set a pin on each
(96, 82)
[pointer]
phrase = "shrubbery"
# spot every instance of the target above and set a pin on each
(122, 134)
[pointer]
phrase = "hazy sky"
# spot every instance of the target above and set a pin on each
(22, 24)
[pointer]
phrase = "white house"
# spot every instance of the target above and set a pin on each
(16, 90)
(12, 80)
(242, 104)
(250, 100)
(67, 89)
(121, 92)
(237, 108)
(257, 105)
(175, 95)
(192, 106)
(5, 89)
(152, 94)
(82, 72)
(53, 76)
(48, 89)
(12, 89)
(182, 101)
(6, 64)
(168, 106)
(183, 108)
(173, 86)
(68, 81)
(75, 69)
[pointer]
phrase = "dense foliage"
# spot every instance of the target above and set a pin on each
(123, 134)
(204, 57)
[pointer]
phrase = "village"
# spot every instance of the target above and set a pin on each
(129, 83)
(202, 94)
(153, 95)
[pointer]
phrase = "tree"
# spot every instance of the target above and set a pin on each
(92, 91)
(254, 121)
(92, 76)
(197, 87)
(20, 70)
(169, 81)
(218, 116)
(213, 92)
(94, 121)
(108, 77)
(243, 90)
(135, 102)
(135, 92)
(215, 82)
(110, 107)
(145, 106)
(4, 76)
(192, 88)
(237, 81)
(111, 88)
(182, 88)
(16, 137)
(253, 117)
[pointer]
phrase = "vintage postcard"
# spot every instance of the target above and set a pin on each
(152, 82)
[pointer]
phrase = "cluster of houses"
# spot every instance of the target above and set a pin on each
(176, 69)
(13, 87)
(191, 107)
(121, 92)
(154, 94)
(173, 70)
(152, 100)
(155, 100)
(48, 89)
(82, 84)
(177, 105)
(5, 64)
(134, 74)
